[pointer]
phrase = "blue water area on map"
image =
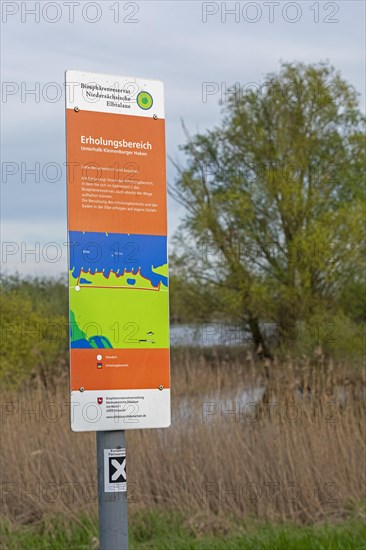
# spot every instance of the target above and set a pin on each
(100, 342)
(83, 281)
(97, 342)
(114, 252)
(80, 344)
(131, 281)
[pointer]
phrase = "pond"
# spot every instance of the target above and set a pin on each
(214, 334)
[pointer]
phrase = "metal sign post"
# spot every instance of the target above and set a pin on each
(112, 505)
(118, 273)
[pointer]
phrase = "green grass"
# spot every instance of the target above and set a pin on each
(163, 531)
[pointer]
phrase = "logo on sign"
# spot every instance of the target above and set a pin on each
(117, 469)
(144, 100)
(100, 400)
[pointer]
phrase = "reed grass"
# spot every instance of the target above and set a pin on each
(283, 441)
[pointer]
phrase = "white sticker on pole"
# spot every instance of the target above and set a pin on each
(115, 471)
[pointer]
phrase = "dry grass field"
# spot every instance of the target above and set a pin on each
(295, 451)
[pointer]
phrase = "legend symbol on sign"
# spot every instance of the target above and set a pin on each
(117, 469)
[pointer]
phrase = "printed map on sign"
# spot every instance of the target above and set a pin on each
(119, 290)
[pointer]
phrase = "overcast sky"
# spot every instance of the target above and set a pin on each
(184, 44)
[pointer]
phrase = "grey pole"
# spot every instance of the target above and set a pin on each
(113, 518)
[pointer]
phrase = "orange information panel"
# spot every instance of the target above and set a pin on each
(118, 265)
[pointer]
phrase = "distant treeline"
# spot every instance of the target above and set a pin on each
(34, 326)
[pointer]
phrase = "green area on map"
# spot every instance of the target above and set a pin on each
(118, 311)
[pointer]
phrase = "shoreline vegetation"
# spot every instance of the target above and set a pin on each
(283, 468)
(262, 453)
